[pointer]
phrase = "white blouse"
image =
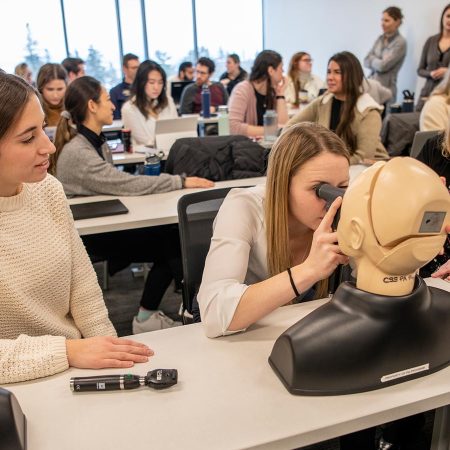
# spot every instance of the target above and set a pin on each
(142, 129)
(236, 258)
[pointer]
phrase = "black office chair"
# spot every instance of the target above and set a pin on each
(196, 214)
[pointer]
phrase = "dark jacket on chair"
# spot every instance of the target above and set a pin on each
(217, 158)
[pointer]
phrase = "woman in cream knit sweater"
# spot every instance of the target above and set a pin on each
(51, 307)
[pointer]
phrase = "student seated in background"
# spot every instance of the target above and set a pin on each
(75, 68)
(23, 71)
(253, 97)
(435, 113)
(83, 164)
(52, 313)
(302, 85)
(121, 93)
(191, 99)
(234, 73)
(149, 103)
(51, 83)
(355, 117)
(185, 72)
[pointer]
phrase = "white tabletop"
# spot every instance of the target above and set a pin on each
(145, 210)
(227, 397)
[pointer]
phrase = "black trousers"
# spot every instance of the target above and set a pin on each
(159, 245)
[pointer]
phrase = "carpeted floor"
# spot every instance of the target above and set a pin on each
(122, 300)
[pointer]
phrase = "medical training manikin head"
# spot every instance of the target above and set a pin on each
(393, 219)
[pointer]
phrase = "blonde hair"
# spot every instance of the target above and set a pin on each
(296, 146)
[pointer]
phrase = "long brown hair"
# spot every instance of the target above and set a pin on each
(352, 78)
(441, 26)
(296, 146)
(15, 93)
(260, 72)
(294, 75)
(76, 100)
(140, 98)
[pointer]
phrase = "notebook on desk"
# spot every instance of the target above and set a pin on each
(167, 131)
(98, 209)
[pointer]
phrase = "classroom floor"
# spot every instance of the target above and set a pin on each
(122, 300)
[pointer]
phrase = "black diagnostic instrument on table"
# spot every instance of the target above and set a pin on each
(156, 379)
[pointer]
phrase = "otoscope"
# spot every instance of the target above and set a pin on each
(157, 379)
(330, 194)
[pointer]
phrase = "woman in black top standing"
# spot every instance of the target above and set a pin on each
(435, 58)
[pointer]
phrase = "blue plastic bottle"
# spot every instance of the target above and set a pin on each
(206, 102)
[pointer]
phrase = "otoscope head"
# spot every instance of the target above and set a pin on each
(161, 378)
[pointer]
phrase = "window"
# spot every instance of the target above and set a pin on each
(231, 27)
(170, 32)
(92, 35)
(25, 35)
(131, 24)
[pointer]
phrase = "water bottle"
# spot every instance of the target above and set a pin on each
(224, 123)
(206, 102)
(270, 120)
(152, 165)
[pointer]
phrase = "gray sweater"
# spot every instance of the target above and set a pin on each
(385, 60)
(82, 171)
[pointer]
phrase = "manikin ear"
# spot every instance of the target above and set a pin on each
(92, 106)
(357, 235)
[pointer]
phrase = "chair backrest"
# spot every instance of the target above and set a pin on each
(419, 141)
(196, 214)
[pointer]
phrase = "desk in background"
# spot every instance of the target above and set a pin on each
(227, 397)
(145, 210)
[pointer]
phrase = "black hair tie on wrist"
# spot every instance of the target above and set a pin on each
(294, 287)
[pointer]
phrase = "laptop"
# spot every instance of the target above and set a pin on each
(177, 88)
(98, 209)
(167, 131)
(419, 140)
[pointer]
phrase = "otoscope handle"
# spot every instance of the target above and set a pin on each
(106, 383)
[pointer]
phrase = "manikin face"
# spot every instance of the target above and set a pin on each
(334, 78)
(53, 92)
(102, 110)
(305, 207)
(389, 24)
(154, 86)
(305, 64)
(25, 150)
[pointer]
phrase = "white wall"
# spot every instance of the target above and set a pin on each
(324, 27)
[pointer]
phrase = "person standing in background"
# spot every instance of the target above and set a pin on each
(52, 83)
(435, 58)
(234, 73)
(386, 57)
(302, 85)
(121, 93)
(75, 68)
